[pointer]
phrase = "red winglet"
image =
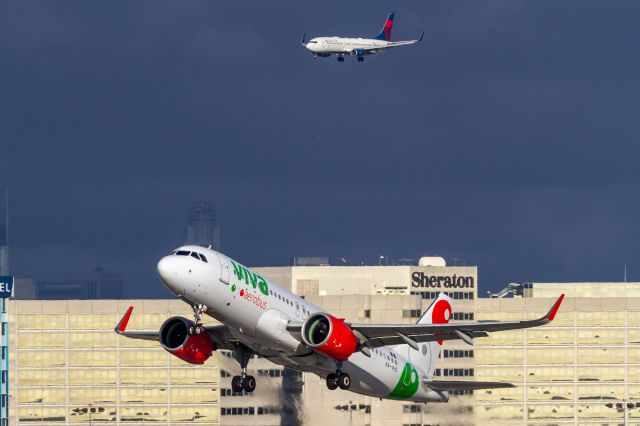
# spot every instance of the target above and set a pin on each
(122, 325)
(554, 310)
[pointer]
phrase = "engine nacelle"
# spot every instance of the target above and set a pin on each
(177, 340)
(329, 335)
(357, 52)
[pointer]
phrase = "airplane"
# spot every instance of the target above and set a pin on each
(358, 47)
(257, 316)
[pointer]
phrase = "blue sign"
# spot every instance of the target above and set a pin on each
(6, 286)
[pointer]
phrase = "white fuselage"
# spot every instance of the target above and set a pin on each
(343, 45)
(256, 311)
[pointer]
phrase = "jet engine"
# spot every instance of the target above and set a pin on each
(357, 52)
(329, 335)
(177, 338)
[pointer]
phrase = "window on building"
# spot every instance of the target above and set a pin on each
(411, 313)
(364, 313)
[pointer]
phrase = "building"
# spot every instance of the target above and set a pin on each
(424, 281)
(202, 226)
(310, 261)
(67, 365)
(584, 368)
(6, 292)
(385, 294)
(96, 284)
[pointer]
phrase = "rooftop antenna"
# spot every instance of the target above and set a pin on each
(6, 221)
(7, 207)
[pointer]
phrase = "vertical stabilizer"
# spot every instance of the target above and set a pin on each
(439, 312)
(385, 34)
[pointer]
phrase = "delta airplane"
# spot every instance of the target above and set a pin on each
(359, 47)
(258, 317)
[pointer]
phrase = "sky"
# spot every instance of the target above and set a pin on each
(506, 139)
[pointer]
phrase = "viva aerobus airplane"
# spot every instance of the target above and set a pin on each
(259, 317)
(359, 47)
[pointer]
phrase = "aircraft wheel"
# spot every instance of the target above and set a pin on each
(332, 382)
(340, 59)
(249, 384)
(237, 384)
(344, 381)
(360, 59)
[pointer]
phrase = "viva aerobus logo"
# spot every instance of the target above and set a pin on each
(249, 278)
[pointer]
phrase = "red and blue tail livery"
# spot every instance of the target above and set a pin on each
(324, 47)
(385, 34)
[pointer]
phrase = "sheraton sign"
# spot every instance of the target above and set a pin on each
(420, 279)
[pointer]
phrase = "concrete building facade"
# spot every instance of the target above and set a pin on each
(68, 367)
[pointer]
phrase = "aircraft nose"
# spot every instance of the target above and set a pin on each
(166, 270)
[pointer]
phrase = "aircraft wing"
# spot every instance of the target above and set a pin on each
(219, 334)
(405, 42)
(389, 45)
(454, 385)
(376, 335)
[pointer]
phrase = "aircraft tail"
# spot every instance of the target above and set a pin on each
(385, 34)
(439, 312)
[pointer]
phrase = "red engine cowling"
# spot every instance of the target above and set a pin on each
(329, 335)
(175, 337)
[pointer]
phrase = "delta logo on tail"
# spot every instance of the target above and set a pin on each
(385, 34)
(324, 47)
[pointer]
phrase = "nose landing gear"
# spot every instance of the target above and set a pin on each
(198, 310)
(243, 382)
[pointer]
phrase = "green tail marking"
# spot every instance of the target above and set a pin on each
(407, 385)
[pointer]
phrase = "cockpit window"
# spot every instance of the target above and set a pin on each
(194, 254)
(204, 259)
(182, 253)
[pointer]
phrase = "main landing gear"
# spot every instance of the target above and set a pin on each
(243, 382)
(338, 379)
(198, 310)
(340, 58)
(360, 59)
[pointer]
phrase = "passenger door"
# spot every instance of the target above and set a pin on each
(224, 269)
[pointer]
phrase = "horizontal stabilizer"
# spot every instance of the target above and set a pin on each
(454, 385)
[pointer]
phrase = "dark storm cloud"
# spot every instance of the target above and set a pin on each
(507, 138)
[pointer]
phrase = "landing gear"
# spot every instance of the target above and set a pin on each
(243, 382)
(360, 59)
(340, 58)
(198, 310)
(338, 379)
(247, 384)
(342, 380)
(332, 381)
